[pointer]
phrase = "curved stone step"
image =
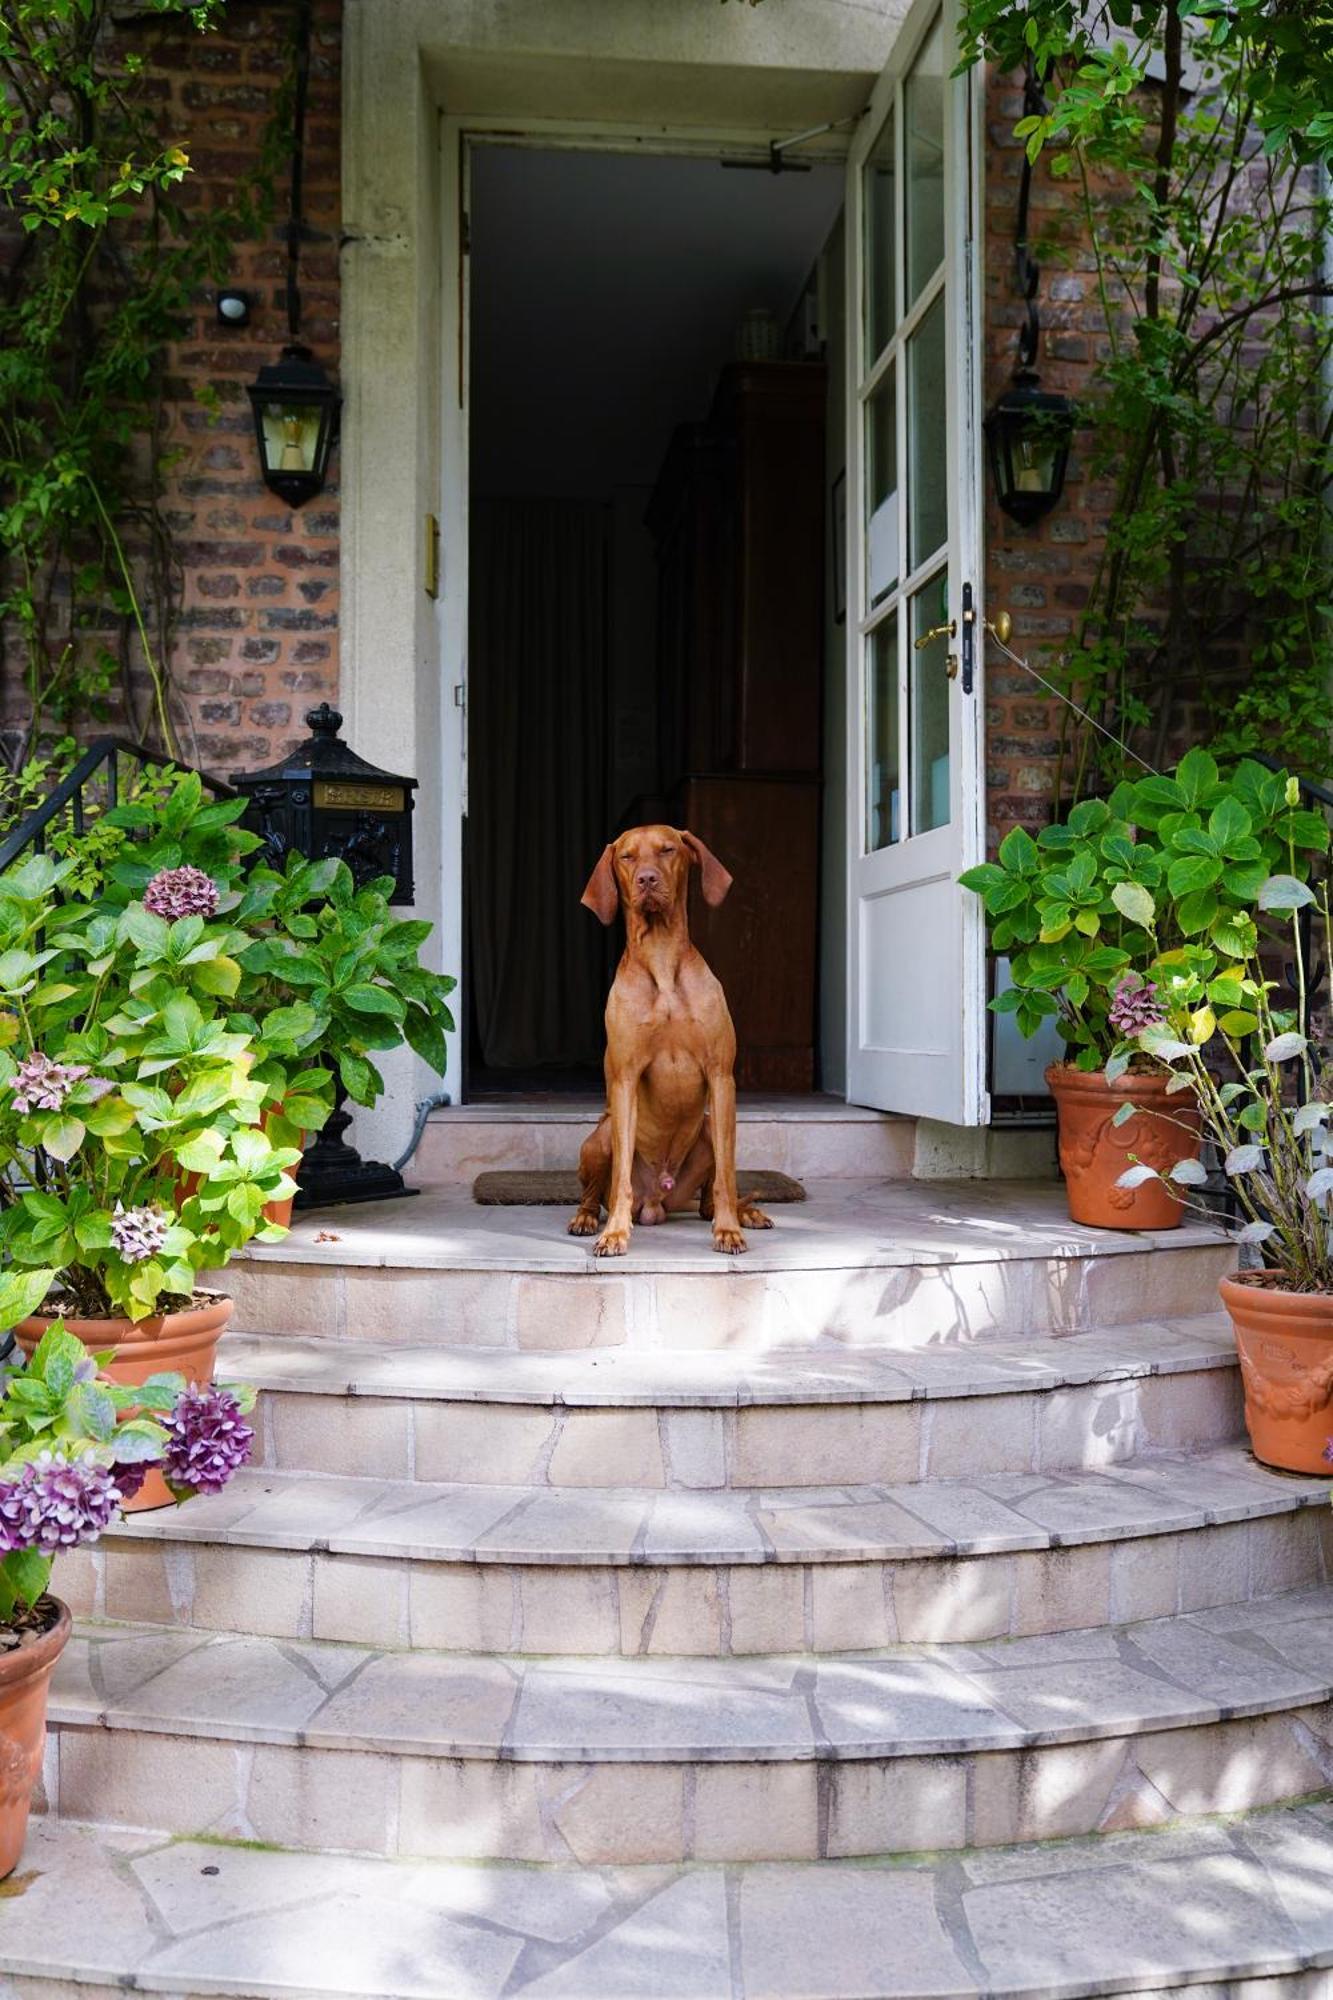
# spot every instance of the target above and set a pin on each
(700, 1419)
(1199, 1908)
(484, 1757)
(877, 1264)
(493, 1568)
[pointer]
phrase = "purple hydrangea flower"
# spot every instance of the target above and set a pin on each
(129, 1478)
(1135, 1005)
(39, 1084)
(53, 1503)
(208, 1439)
(1328, 1452)
(139, 1233)
(181, 892)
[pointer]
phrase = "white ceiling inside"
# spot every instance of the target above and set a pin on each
(607, 290)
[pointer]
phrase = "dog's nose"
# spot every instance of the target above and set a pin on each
(648, 878)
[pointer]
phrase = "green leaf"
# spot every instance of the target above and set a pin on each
(374, 1000)
(219, 977)
(1196, 911)
(358, 1077)
(426, 1037)
(62, 1136)
(21, 1295)
(143, 929)
(23, 1579)
(1196, 775)
(1228, 822)
(1284, 892)
(1018, 851)
(1191, 872)
(1135, 902)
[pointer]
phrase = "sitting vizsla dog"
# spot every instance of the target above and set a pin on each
(669, 1136)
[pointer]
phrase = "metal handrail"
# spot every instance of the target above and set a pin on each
(31, 830)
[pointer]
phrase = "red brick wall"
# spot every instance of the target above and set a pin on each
(1041, 574)
(257, 639)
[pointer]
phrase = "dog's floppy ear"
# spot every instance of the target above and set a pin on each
(714, 879)
(602, 895)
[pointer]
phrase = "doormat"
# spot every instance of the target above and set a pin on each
(558, 1188)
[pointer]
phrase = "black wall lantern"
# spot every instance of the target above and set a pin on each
(1030, 429)
(296, 410)
(1028, 435)
(295, 404)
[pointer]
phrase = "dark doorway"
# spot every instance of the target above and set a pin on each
(648, 502)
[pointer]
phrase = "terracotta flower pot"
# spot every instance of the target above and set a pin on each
(25, 1676)
(1094, 1152)
(183, 1343)
(1285, 1343)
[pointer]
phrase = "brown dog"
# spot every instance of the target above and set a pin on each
(668, 1137)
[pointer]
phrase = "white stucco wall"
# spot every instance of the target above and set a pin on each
(650, 69)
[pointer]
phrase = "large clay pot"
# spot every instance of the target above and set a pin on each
(25, 1676)
(183, 1343)
(1285, 1343)
(1094, 1152)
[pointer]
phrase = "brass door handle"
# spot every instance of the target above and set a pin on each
(949, 631)
(1001, 627)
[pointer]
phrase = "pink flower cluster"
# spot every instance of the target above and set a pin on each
(40, 1084)
(54, 1502)
(181, 892)
(139, 1233)
(1134, 1005)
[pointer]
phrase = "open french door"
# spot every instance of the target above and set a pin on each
(916, 990)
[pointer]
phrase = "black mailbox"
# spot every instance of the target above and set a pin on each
(324, 799)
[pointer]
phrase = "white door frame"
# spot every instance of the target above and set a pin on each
(457, 137)
(964, 213)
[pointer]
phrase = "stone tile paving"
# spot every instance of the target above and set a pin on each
(995, 1512)
(909, 1702)
(729, 1380)
(844, 1225)
(1217, 1901)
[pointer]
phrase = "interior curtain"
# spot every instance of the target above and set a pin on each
(537, 778)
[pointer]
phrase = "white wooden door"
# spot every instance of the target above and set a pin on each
(916, 1000)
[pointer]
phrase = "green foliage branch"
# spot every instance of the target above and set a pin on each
(1189, 132)
(106, 271)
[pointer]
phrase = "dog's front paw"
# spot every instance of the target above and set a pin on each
(584, 1223)
(754, 1218)
(729, 1241)
(612, 1243)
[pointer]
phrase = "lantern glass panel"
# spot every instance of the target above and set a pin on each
(291, 437)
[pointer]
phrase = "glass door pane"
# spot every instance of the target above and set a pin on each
(883, 789)
(927, 436)
(928, 707)
(881, 238)
(923, 105)
(882, 522)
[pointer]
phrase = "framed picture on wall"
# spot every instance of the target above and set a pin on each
(840, 548)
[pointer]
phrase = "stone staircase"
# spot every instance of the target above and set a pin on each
(894, 1612)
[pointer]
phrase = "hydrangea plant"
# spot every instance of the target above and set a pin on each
(1095, 910)
(75, 1446)
(132, 1154)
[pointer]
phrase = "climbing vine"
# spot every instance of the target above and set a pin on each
(1191, 135)
(101, 265)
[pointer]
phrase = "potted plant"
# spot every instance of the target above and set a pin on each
(132, 1155)
(326, 975)
(1070, 908)
(332, 967)
(1256, 1071)
(74, 1448)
